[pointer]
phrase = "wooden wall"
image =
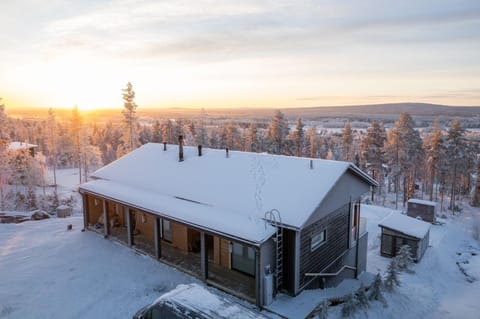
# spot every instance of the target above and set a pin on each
(145, 223)
(221, 252)
(94, 210)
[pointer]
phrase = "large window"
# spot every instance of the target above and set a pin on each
(243, 258)
(166, 230)
(318, 240)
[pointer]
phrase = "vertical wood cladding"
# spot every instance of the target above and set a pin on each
(337, 226)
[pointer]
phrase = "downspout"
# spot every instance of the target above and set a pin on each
(258, 292)
(357, 230)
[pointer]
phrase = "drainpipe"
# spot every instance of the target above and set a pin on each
(258, 279)
(358, 240)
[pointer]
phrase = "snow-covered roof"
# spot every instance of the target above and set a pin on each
(422, 202)
(249, 228)
(201, 302)
(407, 225)
(244, 184)
(20, 146)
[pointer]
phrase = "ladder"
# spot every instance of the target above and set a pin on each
(273, 217)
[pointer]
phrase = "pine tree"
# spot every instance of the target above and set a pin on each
(75, 129)
(251, 140)
(460, 159)
(375, 291)
(347, 140)
(297, 137)
(361, 297)
(323, 309)
(404, 154)
(476, 192)
(350, 306)
(391, 276)
(156, 132)
(3, 123)
(277, 133)
(404, 258)
(312, 141)
(130, 118)
(52, 146)
(435, 156)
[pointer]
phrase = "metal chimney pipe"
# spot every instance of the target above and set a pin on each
(199, 150)
(180, 148)
(226, 152)
(164, 146)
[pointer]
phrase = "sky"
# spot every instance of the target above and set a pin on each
(244, 53)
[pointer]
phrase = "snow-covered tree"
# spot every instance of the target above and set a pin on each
(362, 298)
(168, 132)
(476, 191)
(75, 131)
(460, 159)
(347, 140)
(404, 258)
(391, 276)
(311, 142)
(322, 312)
(157, 132)
(435, 154)
(277, 133)
(350, 306)
(375, 291)
(297, 138)
(252, 143)
(404, 153)
(129, 111)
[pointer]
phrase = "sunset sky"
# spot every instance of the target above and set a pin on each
(238, 53)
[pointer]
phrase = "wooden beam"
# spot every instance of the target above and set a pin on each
(129, 226)
(105, 217)
(85, 211)
(158, 246)
(203, 256)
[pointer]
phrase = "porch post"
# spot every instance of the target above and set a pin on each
(129, 226)
(258, 278)
(105, 217)
(85, 211)
(158, 249)
(203, 256)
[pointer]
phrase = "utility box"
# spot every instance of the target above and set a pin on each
(268, 289)
(64, 211)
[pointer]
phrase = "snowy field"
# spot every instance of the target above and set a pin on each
(47, 271)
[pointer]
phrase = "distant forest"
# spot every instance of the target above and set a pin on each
(437, 162)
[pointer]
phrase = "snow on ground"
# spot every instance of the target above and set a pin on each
(49, 272)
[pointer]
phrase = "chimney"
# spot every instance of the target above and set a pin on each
(180, 148)
(226, 152)
(199, 150)
(164, 146)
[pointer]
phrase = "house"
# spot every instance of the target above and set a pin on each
(424, 209)
(250, 224)
(20, 146)
(399, 230)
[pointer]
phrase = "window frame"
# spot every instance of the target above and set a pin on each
(322, 239)
(167, 235)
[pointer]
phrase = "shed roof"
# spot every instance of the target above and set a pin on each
(245, 184)
(407, 225)
(422, 202)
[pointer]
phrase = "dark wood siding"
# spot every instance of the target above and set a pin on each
(426, 212)
(337, 226)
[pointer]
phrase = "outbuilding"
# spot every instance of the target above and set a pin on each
(424, 209)
(399, 230)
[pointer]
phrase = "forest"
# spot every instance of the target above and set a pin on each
(438, 162)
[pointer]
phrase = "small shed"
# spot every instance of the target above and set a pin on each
(399, 230)
(424, 209)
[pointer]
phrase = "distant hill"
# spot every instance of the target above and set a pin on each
(388, 111)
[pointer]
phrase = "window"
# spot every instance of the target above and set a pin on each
(243, 258)
(318, 240)
(166, 230)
